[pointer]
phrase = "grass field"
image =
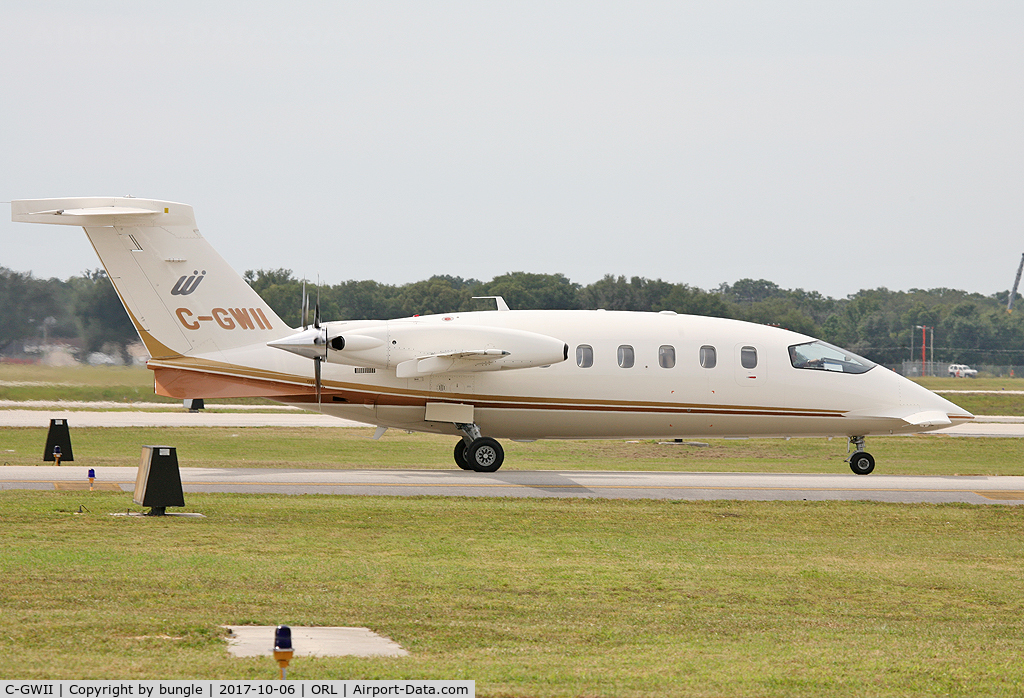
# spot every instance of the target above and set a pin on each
(280, 447)
(546, 597)
(971, 383)
(88, 383)
(528, 597)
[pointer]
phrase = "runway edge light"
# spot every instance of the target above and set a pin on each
(58, 443)
(283, 648)
(158, 483)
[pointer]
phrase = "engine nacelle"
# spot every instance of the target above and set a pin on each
(413, 347)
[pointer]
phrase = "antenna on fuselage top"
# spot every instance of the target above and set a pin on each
(502, 305)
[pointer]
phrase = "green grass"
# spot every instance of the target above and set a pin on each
(347, 448)
(971, 383)
(527, 597)
(989, 403)
(89, 384)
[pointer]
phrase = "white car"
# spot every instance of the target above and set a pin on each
(962, 371)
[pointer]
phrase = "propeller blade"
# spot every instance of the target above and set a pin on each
(316, 375)
(305, 306)
(316, 310)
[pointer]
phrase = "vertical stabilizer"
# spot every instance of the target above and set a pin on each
(180, 294)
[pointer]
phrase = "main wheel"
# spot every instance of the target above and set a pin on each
(862, 463)
(460, 455)
(485, 455)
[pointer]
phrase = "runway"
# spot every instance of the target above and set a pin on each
(546, 483)
(505, 483)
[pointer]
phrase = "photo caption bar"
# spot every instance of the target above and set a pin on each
(231, 689)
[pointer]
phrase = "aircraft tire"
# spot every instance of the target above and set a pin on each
(862, 463)
(485, 455)
(460, 455)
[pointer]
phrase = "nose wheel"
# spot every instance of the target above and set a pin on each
(861, 462)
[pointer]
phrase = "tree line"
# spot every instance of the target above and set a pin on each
(877, 323)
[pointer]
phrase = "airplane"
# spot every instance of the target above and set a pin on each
(486, 375)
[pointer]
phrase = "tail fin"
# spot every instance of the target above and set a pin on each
(181, 295)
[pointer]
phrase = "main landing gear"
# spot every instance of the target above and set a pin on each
(861, 462)
(475, 452)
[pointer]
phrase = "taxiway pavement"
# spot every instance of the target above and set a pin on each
(546, 483)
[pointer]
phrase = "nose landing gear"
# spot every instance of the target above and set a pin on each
(476, 452)
(861, 462)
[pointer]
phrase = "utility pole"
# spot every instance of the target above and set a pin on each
(1016, 283)
(924, 344)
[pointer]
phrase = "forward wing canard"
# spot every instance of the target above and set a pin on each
(911, 415)
(413, 349)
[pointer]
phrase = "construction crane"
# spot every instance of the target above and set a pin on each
(1016, 283)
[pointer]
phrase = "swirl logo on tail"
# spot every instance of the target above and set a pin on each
(187, 284)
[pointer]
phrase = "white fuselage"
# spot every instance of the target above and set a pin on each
(564, 400)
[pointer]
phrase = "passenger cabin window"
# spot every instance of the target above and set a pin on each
(748, 357)
(708, 357)
(666, 356)
(626, 356)
(584, 356)
(821, 356)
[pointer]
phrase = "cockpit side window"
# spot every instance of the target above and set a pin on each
(821, 356)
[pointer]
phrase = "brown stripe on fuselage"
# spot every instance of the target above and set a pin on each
(213, 380)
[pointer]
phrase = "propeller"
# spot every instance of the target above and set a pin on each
(319, 338)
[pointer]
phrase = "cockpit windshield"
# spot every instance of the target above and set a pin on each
(821, 356)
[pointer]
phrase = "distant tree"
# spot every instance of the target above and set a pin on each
(435, 295)
(750, 290)
(780, 312)
(523, 291)
(878, 323)
(616, 293)
(263, 279)
(694, 301)
(968, 333)
(101, 317)
(365, 300)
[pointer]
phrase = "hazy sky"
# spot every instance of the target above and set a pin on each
(830, 146)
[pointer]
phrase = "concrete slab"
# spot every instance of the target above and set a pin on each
(258, 641)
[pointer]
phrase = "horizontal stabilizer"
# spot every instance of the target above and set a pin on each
(101, 211)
